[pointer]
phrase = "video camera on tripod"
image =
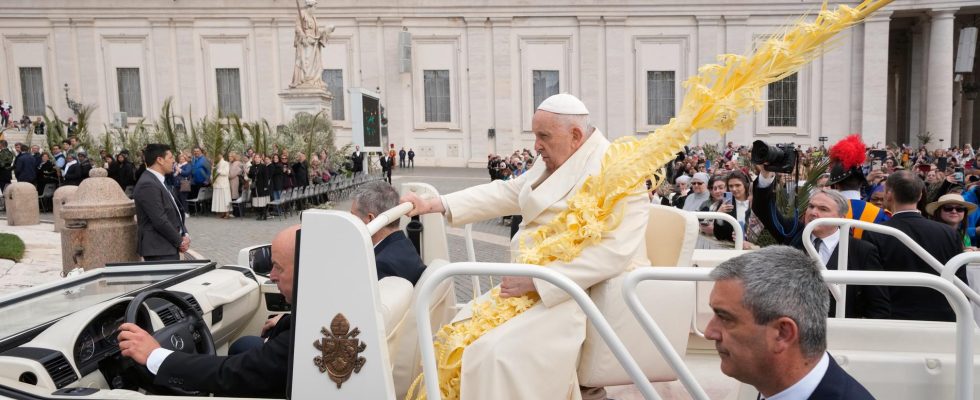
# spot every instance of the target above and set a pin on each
(781, 157)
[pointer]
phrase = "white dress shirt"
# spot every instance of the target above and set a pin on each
(805, 387)
(851, 194)
(827, 246)
(155, 360)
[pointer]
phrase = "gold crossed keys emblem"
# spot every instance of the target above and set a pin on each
(340, 350)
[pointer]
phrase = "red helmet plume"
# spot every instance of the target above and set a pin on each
(850, 152)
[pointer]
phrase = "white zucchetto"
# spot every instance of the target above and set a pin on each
(564, 103)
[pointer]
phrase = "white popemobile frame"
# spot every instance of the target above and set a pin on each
(959, 302)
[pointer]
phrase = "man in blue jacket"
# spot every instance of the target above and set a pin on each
(200, 172)
(24, 164)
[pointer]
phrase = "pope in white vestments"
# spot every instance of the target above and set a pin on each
(535, 355)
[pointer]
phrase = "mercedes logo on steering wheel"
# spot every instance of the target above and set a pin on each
(177, 342)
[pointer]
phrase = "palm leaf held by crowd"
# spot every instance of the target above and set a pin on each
(715, 98)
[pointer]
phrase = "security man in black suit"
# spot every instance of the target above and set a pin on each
(862, 301)
(357, 160)
(902, 192)
(770, 326)
(394, 254)
(258, 372)
(162, 234)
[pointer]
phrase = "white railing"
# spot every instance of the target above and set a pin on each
(712, 215)
(471, 257)
(424, 295)
(845, 226)
(961, 306)
(388, 217)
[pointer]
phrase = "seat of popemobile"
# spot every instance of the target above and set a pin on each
(671, 237)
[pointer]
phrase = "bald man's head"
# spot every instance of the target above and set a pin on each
(284, 261)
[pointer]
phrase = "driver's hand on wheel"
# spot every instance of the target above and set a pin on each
(136, 343)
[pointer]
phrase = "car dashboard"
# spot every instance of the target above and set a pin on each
(80, 350)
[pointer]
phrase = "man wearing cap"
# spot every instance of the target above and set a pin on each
(698, 195)
(540, 347)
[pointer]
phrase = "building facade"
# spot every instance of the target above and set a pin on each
(460, 79)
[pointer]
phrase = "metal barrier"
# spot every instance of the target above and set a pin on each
(424, 294)
(712, 215)
(953, 265)
(961, 306)
(845, 226)
(471, 257)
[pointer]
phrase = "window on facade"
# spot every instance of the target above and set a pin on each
(32, 90)
(130, 102)
(436, 84)
(660, 97)
(334, 78)
(229, 92)
(782, 102)
(544, 85)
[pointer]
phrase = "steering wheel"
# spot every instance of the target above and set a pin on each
(188, 335)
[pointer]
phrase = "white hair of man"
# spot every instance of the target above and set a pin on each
(375, 198)
(780, 281)
(842, 203)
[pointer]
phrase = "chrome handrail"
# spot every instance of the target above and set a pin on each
(739, 235)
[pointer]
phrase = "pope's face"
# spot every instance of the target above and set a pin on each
(554, 140)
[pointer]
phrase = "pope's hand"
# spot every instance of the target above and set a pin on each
(422, 206)
(516, 286)
(136, 343)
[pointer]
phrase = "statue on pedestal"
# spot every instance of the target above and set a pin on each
(309, 40)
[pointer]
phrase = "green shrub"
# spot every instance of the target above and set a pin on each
(11, 247)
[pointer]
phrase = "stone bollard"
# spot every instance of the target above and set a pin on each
(21, 201)
(99, 225)
(62, 195)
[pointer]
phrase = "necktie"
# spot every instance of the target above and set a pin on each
(816, 244)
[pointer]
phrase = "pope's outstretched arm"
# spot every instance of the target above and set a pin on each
(477, 203)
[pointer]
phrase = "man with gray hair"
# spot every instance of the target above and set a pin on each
(770, 327)
(394, 254)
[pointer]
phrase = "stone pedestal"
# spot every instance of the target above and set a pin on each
(22, 207)
(308, 100)
(62, 195)
(99, 225)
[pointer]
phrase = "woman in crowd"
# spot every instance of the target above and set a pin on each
(183, 174)
(123, 171)
(741, 209)
(46, 173)
(951, 209)
(221, 196)
(717, 188)
(277, 175)
(259, 175)
(236, 174)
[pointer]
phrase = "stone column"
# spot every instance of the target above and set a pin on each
(162, 69)
(508, 129)
(267, 69)
(591, 67)
(917, 81)
(618, 48)
(480, 68)
(874, 99)
(88, 89)
(189, 94)
(64, 69)
(711, 43)
(939, 111)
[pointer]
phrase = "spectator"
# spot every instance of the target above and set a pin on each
(278, 176)
(741, 209)
(952, 210)
(902, 191)
(259, 174)
(770, 327)
(200, 172)
(401, 158)
(236, 175)
(123, 170)
(59, 157)
(716, 202)
(698, 195)
(24, 169)
(72, 172)
(411, 158)
(47, 173)
(84, 164)
(221, 195)
(36, 154)
(301, 174)
(25, 123)
(39, 126)
(183, 172)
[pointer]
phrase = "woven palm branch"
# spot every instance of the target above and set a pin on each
(715, 98)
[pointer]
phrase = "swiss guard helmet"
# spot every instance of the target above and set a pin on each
(846, 158)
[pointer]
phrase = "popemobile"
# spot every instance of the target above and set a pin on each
(355, 337)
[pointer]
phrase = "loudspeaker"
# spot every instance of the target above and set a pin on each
(405, 51)
(967, 49)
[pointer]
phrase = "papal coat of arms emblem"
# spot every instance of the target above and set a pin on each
(340, 350)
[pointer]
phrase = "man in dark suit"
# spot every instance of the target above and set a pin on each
(162, 234)
(258, 372)
(24, 169)
(902, 192)
(394, 254)
(770, 326)
(387, 163)
(357, 160)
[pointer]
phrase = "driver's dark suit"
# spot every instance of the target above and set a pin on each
(259, 372)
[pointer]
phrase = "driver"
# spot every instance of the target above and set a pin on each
(258, 372)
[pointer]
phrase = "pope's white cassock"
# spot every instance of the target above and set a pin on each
(535, 355)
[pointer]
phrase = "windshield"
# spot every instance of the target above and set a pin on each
(35, 307)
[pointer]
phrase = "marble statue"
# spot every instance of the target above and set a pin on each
(309, 40)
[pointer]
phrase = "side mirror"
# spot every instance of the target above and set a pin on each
(260, 259)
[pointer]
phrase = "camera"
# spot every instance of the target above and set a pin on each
(778, 158)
